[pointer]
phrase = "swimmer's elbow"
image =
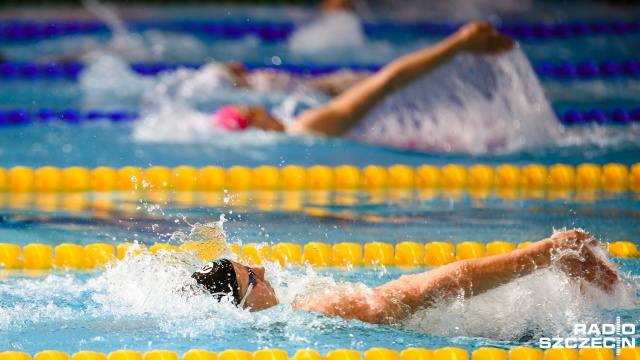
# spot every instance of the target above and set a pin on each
(328, 120)
(369, 308)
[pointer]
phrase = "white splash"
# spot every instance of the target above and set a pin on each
(110, 79)
(545, 303)
(475, 104)
(333, 31)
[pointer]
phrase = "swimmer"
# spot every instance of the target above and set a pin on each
(395, 300)
(235, 74)
(342, 113)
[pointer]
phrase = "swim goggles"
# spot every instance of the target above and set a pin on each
(251, 283)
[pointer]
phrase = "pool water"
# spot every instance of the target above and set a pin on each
(137, 304)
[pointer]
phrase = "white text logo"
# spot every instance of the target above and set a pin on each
(607, 336)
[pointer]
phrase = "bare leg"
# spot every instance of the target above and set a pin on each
(346, 110)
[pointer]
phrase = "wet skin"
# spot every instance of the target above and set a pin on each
(262, 295)
(399, 298)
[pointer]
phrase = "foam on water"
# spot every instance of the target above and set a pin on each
(178, 107)
(475, 104)
(594, 138)
(111, 80)
(543, 304)
(334, 31)
(547, 303)
(175, 106)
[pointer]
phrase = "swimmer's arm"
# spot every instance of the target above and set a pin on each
(400, 298)
(470, 277)
(475, 276)
(364, 305)
(346, 110)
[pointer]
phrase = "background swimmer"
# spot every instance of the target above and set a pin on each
(266, 80)
(575, 252)
(352, 106)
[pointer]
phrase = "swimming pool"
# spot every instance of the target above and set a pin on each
(134, 305)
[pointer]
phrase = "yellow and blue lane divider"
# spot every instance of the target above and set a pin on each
(614, 177)
(447, 353)
(77, 257)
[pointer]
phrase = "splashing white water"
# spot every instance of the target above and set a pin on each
(110, 79)
(334, 31)
(472, 105)
(545, 303)
(178, 106)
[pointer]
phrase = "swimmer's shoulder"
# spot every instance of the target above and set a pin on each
(296, 128)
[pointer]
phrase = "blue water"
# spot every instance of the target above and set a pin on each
(353, 216)
(135, 306)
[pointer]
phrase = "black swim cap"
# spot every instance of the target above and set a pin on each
(219, 278)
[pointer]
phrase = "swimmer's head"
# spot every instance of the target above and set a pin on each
(232, 118)
(245, 285)
(238, 118)
(219, 278)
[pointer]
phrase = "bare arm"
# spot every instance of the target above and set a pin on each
(400, 298)
(346, 110)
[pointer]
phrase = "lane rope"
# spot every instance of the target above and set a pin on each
(583, 70)
(447, 353)
(94, 256)
(22, 30)
(612, 177)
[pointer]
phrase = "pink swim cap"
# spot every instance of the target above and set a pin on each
(231, 118)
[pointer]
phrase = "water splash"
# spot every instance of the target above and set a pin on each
(545, 303)
(594, 139)
(178, 107)
(475, 104)
(204, 241)
(110, 79)
(334, 31)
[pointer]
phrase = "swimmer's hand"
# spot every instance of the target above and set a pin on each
(577, 257)
(482, 38)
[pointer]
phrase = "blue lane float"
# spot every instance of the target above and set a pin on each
(28, 70)
(21, 30)
(564, 70)
(615, 116)
(72, 116)
(75, 116)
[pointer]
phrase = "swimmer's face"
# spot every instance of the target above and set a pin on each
(262, 295)
(261, 118)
